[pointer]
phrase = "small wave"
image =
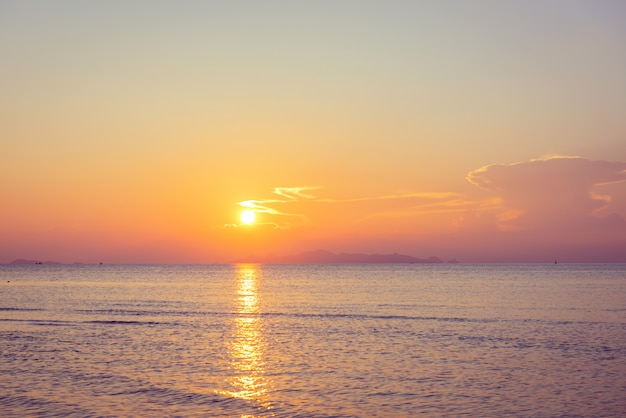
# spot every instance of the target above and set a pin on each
(124, 312)
(24, 405)
(154, 313)
(49, 322)
(112, 322)
(56, 322)
(20, 309)
(180, 400)
(134, 312)
(420, 318)
(375, 317)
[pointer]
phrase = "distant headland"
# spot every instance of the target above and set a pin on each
(327, 257)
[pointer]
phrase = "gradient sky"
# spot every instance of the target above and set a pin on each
(137, 131)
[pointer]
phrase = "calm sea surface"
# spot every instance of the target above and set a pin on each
(313, 341)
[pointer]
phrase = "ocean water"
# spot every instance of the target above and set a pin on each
(313, 341)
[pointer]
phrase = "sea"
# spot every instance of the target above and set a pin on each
(251, 340)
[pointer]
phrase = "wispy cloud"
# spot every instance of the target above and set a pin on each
(293, 193)
(299, 202)
(268, 206)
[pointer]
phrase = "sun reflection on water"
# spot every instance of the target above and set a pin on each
(247, 347)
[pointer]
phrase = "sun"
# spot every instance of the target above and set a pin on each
(247, 217)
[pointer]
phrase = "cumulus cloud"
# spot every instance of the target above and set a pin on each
(552, 190)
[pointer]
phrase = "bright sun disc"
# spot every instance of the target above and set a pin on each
(247, 217)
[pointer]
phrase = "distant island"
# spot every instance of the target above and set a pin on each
(327, 257)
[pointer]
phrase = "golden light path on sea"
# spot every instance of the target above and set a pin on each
(247, 347)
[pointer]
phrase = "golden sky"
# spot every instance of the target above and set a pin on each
(137, 132)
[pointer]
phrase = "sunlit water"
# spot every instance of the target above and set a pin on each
(313, 341)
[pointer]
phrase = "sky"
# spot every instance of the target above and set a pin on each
(484, 131)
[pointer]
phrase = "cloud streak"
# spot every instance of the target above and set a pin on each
(295, 202)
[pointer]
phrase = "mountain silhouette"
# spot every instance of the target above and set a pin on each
(327, 257)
